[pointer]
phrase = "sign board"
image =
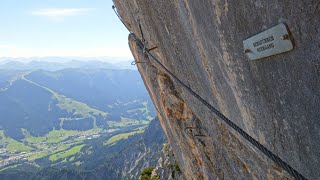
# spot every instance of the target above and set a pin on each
(273, 41)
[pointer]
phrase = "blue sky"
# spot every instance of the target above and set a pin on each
(84, 28)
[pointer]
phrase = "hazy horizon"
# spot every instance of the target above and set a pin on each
(67, 59)
(79, 29)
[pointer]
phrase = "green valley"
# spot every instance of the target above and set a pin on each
(72, 118)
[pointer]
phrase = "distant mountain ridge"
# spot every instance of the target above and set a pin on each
(76, 119)
(47, 65)
(72, 99)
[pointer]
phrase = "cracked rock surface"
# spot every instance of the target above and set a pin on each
(275, 99)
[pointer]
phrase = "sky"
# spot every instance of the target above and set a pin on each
(80, 28)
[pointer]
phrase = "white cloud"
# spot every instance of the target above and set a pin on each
(60, 13)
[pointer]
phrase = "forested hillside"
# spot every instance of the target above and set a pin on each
(89, 119)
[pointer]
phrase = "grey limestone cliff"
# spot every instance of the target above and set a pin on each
(274, 99)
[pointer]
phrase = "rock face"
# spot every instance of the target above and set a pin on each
(275, 99)
(167, 167)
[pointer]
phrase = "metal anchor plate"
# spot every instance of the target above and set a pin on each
(273, 41)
